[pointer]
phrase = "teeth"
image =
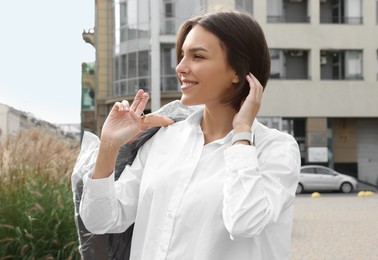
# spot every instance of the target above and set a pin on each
(188, 84)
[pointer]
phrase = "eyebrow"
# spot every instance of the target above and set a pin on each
(196, 49)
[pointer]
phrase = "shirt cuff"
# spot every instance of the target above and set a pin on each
(100, 187)
(240, 156)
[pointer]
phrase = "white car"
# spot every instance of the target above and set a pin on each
(317, 178)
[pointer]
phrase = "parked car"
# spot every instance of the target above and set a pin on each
(317, 178)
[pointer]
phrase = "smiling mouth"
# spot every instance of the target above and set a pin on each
(186, 85)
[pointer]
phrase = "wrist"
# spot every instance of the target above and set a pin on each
(242, 128)
(109, 146)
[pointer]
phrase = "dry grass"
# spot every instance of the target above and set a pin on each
(38, 150)
(36, 205)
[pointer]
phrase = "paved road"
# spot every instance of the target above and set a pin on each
(335, 226)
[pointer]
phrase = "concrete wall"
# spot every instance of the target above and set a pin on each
(315, 97)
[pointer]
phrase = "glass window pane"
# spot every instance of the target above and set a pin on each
(244, 5)
(308, 170)
(132, 12)
(123, 68)
(144, 83)
(123, 13)
(123, 37)
(323, 171)
(353, 64)
(116, 68)
(143, 11)
(143, 62)
(132, 68)
(144, 30)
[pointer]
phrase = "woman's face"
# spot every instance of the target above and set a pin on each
(203, 70)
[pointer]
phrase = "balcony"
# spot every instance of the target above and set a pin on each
(341, 12)
(88, 36)
(287, 11)
(341, 65)
(289, 64)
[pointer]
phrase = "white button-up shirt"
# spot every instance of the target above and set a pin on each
(194, 201)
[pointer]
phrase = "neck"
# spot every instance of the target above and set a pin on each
(217, 122)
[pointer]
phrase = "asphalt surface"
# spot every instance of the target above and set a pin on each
(335, 226)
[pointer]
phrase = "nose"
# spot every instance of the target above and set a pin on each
(182, 67)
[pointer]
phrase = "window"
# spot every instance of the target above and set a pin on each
(245, 5)
(168, 65)
(132, 72)
(132, 20)
(341, 11)
(169, 19)
(123, 13)
(341, 64)
(287, 11)
(324, 171)
(289, 64)
(308, 170)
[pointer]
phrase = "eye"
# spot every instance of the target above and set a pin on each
(197, 56)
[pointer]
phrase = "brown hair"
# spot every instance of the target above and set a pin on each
(245, 44)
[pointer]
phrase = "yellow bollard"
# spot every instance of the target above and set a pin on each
(365, 194)
(369, 193)
(315, 195)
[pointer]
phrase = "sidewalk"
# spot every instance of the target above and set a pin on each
(335, 227)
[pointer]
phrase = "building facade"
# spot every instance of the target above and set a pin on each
(12, 121)
(323, 87)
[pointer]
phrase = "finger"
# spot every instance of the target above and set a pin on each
(137, 99)
(256, 88)
(142, 104)
(259, 87)
(125, 105)
(121, 106)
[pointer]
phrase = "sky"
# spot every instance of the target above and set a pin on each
(41, 52)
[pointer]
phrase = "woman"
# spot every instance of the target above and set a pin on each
(218, 185)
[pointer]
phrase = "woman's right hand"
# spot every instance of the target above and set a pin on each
(123, 123)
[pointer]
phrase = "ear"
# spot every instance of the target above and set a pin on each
(235, 78)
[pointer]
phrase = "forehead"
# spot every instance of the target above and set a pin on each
(201, 37)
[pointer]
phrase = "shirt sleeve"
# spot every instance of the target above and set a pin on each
(258, 187)
(109, 206)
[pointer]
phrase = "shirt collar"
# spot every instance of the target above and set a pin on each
(194, 120)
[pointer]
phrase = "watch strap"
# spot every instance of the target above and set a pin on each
(242, 136)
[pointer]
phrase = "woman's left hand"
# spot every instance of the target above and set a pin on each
(244, 118)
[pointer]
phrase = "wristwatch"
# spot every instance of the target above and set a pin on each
(242, 136)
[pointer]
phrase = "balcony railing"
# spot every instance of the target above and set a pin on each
(341, 19)
(280, 76)
(288, 19)
(168, 26)
(130, 86)
(342, 77)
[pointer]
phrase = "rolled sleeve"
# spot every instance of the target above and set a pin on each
(98, 205)
(259, 185)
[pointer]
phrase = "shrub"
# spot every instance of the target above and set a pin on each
(36, 205)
